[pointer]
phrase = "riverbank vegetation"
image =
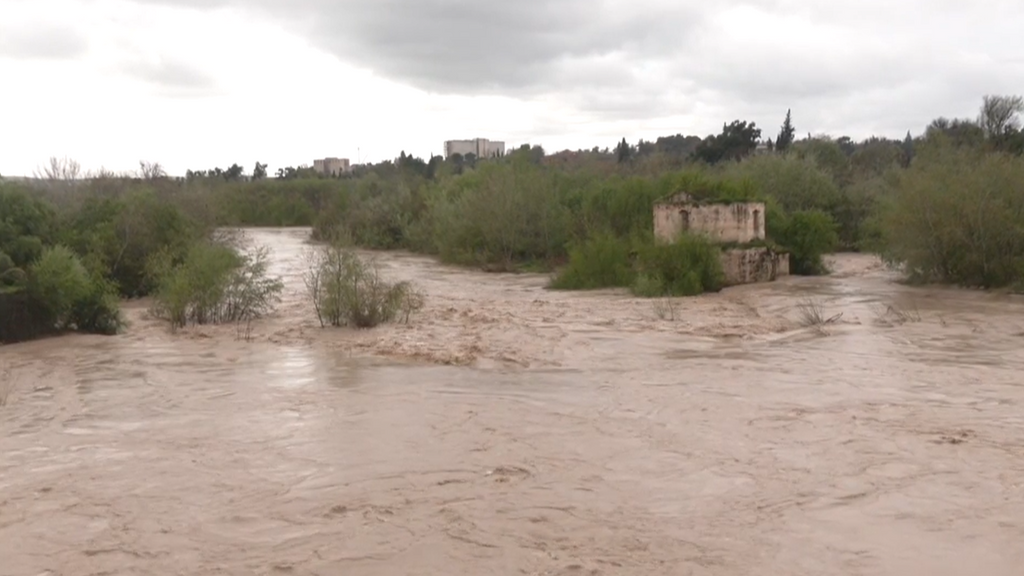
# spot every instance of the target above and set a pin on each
(944, 206)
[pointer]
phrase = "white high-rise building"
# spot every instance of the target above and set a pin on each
(331, 166)
(479, 147)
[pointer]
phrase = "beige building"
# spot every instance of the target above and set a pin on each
(739, 222)
(735, 223)
(332, 166)
(479, 147)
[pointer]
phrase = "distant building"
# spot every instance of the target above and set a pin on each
(332, 166)
(479, 147)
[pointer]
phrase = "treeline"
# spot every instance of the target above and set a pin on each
(946, 205)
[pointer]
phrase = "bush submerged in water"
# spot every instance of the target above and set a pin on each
(691, 265)
(71, 297)
(214, 284)
(807, 235)
(602, 261)
(349, 291)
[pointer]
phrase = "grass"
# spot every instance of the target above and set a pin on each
(812, 315)
(895, 315)
(665, 309)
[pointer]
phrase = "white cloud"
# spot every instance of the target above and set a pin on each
(200, 84)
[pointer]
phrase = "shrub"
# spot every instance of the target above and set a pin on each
(796, 183)
(689, 266)
(59, 281)
(213, 285)
(24, 250)
(599, 262)
(808, 235)
(347, 290)
(70, 296)
(957, 216)
(10, 275)
(499, 215)
(97, 312)
(118, 236)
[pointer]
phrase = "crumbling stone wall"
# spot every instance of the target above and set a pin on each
(748, 265)
(740, 222)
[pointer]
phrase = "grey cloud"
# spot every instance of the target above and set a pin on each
(877, 63)
(474, 47)
(171, 77)
(41, 41)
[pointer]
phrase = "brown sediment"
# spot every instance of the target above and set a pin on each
(509, 429)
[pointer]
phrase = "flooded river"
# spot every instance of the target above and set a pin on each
(508, 429)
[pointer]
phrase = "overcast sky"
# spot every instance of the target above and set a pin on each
(203, 83)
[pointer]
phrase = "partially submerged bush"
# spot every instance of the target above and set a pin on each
(689, 266)
(72, 298)
(602, 261)
(347, 290)
(499, 216)
(808, 235)
(215, 284)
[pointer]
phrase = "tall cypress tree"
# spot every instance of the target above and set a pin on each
(786, 135)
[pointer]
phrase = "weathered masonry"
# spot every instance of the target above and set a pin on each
(739, 222)
(733, 223)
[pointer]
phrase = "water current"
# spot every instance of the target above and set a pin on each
(509, 429)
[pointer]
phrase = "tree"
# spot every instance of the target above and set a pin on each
(677, 146)
(233, 173)
(908, 150)
(827, 154)
(736, 141)
(786, 134)
(1000, 115)
(260, 171)
(623, 151)
(1000, 121)
(151, 170)
(60, 170)
(847, 145)
(874, 157)
(961, 132)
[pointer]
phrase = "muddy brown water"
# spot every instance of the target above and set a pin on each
(512, 430)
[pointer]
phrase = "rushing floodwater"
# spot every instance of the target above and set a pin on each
(512, 430)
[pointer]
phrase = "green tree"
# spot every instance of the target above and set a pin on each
(786, 134)
(234, 173)
(961, 132)
(623, 151)
(737, 140)
(827, 154)
(907, 147)
(259, 172)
